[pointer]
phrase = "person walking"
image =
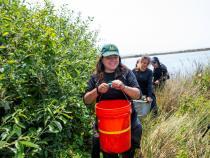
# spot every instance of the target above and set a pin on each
(144, 77)
(124, 85)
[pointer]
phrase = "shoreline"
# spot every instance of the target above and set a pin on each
(166, 53)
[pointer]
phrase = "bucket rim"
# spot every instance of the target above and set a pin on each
(140, 101)
(129, 103)
(111, 111)
(107, 109)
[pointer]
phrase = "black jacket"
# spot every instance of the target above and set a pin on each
(144, 79)
(160, 73)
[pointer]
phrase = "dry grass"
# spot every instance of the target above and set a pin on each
(184, 113)
(169, 97)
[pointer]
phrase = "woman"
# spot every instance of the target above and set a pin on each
(160, 73)
(144, 77)
(109, 69)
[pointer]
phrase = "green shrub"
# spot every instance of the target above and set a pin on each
(46, 58)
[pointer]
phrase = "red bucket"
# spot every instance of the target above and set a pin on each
(114, 123)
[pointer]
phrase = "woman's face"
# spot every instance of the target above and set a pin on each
(155, 64)
(110, 63)
(143, 64)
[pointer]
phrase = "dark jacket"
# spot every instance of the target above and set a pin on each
(160, 73)
(144, 79)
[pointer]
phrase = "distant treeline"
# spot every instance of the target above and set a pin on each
(164, 53)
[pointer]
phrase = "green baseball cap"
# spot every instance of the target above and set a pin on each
(109, 49)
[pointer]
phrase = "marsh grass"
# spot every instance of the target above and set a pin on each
(184, 113)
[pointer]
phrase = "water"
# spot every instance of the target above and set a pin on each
(177, 63)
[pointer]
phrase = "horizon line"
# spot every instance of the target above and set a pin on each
(165, 53)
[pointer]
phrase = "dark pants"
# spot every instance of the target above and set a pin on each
(128, 154)
(95, 153)
(135, 143)
(154, 107)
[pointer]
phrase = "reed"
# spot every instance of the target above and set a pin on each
(184, 113)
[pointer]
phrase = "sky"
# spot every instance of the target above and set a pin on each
(146, 26)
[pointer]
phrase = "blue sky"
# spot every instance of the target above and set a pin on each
(144, 26)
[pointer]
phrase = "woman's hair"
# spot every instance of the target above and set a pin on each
(140, 60)
(156, 60)
(100, 70)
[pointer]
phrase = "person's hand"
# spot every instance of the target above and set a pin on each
(117, 84)
(149, 99)
(157, 82)
(103, 88)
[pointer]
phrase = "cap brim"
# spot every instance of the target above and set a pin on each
(110, 53)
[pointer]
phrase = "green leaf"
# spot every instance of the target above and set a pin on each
(63, 119)
(24, 116)
(17, 121)
(46, 120)
(11, 61)
(5, 34)
(29, 144)
(20, 154)
(66, 115)
(43, 142)
(2, 47)
(2, 144)
(10, 134)
(17, 130)
(52, 129)
(7, 18)
(21, 125)
(4, 135)
(39, 130)
(20, 150)
(58, 125)
(49, 110)
(5, 104)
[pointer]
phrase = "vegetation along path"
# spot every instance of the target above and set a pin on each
(46, 57)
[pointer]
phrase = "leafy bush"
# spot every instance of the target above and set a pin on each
(46, 58)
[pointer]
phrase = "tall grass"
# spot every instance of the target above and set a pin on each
(184, 113)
